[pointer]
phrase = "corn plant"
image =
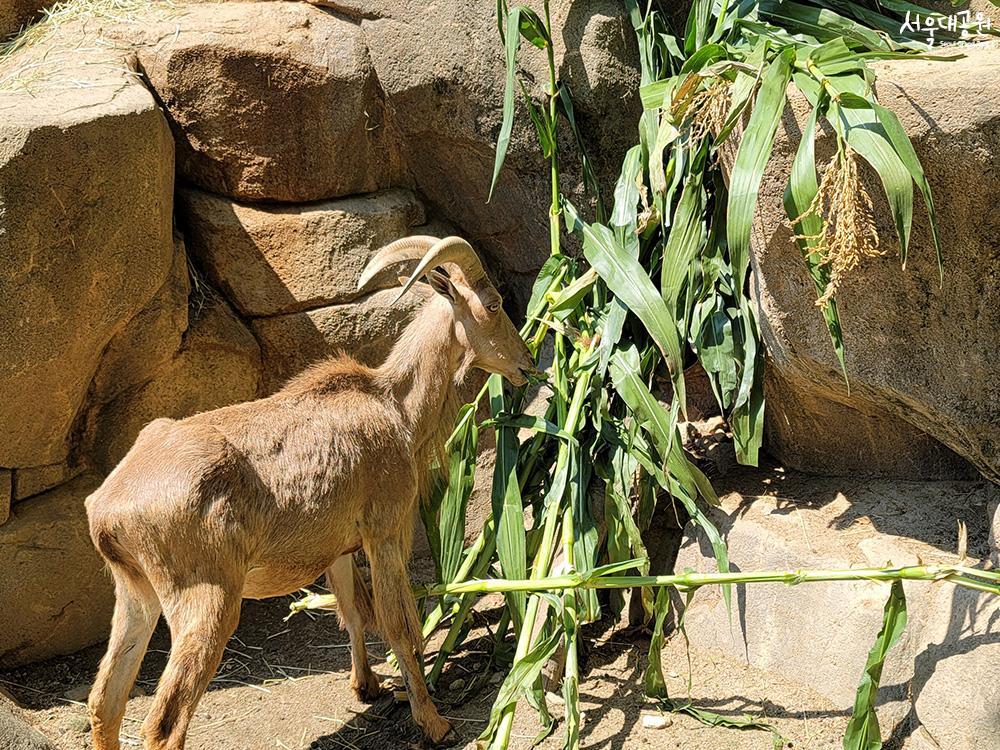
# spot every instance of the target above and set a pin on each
(662, 282)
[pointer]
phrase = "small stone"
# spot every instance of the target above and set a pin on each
(656, 721)
(78, 723)
(457, 684)
(497, 678)
(78, 693)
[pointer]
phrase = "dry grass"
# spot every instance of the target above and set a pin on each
(848, 233)
(50, 51)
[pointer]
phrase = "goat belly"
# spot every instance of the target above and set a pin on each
(279, 580)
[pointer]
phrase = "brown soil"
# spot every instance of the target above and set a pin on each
(285, 685)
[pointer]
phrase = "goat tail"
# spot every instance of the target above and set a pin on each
(363, 598)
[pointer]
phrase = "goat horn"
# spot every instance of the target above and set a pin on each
(449, 250)
(407, 248)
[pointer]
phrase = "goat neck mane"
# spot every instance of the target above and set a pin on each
(423, 371)
(421, 374)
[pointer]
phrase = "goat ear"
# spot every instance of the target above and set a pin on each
(441, 284)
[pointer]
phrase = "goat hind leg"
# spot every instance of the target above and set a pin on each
(201, 618)
(136, 612)
(354, 605)
(396, 615)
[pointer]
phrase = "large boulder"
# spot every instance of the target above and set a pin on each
(278, 259)
(268, 101)
(56, 596)
(217, 364)
(819, 634)
(919, 352)
(86, 179)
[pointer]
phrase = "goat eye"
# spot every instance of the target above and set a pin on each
(493, 307)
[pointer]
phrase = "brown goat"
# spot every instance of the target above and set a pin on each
(258, 499)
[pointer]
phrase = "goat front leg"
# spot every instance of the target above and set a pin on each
(356, 611)
(202, 617)
(396, 616)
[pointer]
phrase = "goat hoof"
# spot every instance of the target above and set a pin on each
(446, 738)
(370, 692)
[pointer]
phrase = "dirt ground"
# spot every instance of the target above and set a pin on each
(285, 685)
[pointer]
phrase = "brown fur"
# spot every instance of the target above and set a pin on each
(258, 499)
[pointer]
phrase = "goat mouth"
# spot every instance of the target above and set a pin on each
(518, 377)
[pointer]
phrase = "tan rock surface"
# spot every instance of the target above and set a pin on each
(218, 364)
(269, 101)
(56, 595)
(366, 329)
(275, 259)
(86, 182)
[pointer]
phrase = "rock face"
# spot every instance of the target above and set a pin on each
(446, 102)
(56, 595)
(917, 352)
(218, 364)
(270, 101)
(273, 260)
(366, 329)
(14, 14)
(819, 634)
(92, 245)
(15, 733)
(97, 337)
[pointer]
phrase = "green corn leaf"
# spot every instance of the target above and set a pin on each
(834, 57)
(863, 732)
(519, 681)
(512, 42)
(540, 119)
(529, 422)
(686, 238)
(532, 28)
(752, 157)
(747, 418)
(821, 23)
(654, 686)
(571, 676)
(799, 194)
(508, 509)
(567, 299)
(461, 473)
(551, 270)
(698, 25)
(631, 283)
(704, 57)
(627, 189)
(716, 349)
(684, 481)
